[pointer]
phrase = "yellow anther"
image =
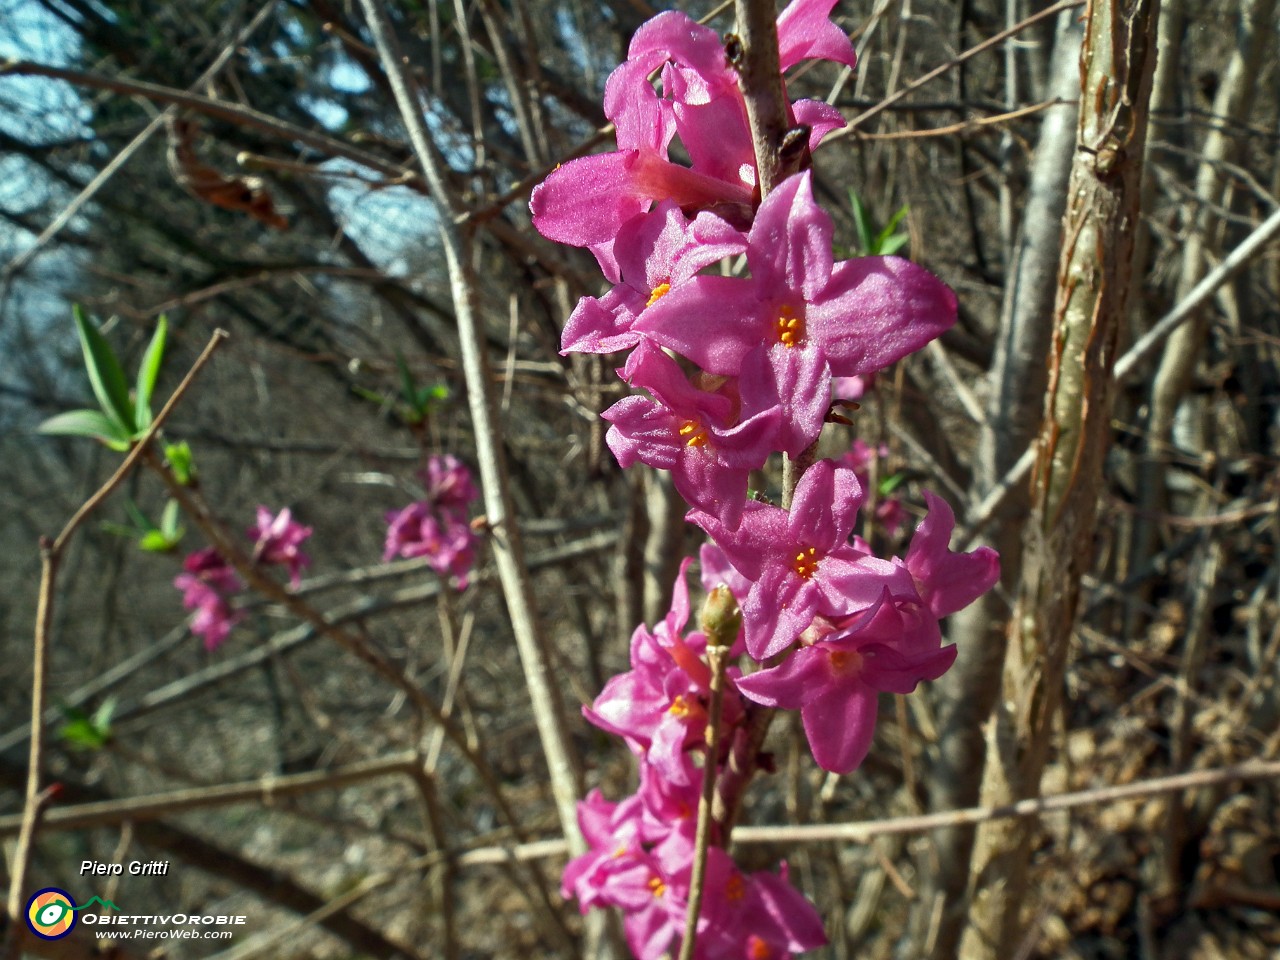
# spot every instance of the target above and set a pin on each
(660, 291)
(679, 707)
(805, 563)
(789, 327)
(693, 434)
(657, 886)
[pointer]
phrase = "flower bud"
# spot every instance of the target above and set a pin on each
(721, 618)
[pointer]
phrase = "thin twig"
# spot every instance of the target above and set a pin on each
(50, 555)
(967, 816)
(424, 705)
(264, 791)
(938, 71)
(120, 159)
(508, 551)
(717, 658)
(219, 109)
(964, 126)
(1203, 290)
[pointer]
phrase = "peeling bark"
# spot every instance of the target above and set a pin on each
(1094, 282)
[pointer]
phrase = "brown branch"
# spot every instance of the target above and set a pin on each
(50, 556)
(964, 126)
(219, 109)
(938, 71)
(968, 816)
(263, 790)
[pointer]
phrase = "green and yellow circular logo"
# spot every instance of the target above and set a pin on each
(51, 913)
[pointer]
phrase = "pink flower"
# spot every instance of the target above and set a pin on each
(655, 251)
(206, 582)
(448, 483)
(835, 682)
(437, 527)
(277, 539)
(948, 581)
(443, 536)
(757, 916)
(801, 562)
(693, 433)
(660, 706)
(585, 202)
(799, 315)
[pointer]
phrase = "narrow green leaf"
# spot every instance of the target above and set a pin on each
(892, 225)
(106, 376)
(890, 484)
(148, 373)
(140, 519)
(892, 245)
(169, 521)
(102, 716)
(85, 423)
(866, 238)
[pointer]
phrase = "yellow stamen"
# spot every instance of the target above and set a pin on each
(805, 564)
(657, 886)
(693, 433)
(660, 291)
(789, 327)
(679, 707)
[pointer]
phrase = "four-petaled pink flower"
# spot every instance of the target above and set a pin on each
(800, 562)
(277, 538)
(800, 319)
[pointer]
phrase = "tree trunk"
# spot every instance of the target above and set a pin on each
(1094, 282)
(968, 692)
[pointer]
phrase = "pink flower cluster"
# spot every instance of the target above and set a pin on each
(641, 849)
(437, 527)
(208, 582)
(729, 368)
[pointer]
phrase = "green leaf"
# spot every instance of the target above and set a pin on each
(86, 423)
(888, 242)
(106, 376)
(140, 520)
(892, 245)
(181, 462)
(148, 373)
(890, 484)
(169, 521)
(88, 732)
(866, 238)
(102, 716)
(432, 395)
(156, 541)
(892, 225)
